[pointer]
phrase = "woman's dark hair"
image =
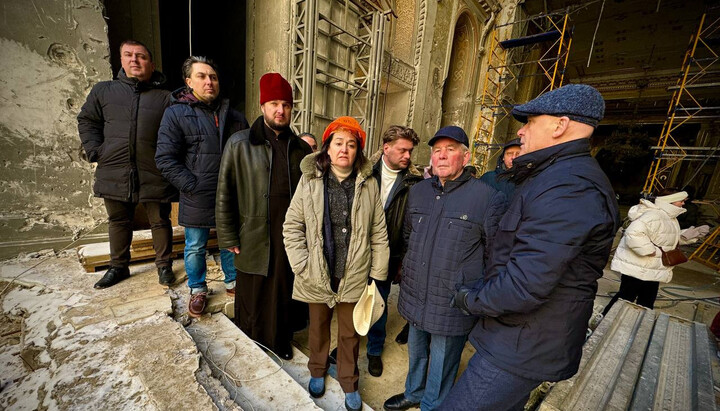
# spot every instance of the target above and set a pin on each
(322, 161)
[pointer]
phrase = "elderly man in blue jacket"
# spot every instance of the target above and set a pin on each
(449, 221)
(551, 246)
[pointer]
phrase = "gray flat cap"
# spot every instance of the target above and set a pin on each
(579, 102)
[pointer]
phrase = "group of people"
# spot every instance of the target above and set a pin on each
(509, 261)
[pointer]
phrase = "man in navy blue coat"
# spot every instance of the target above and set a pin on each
(450, 220)
(551, 246)
(191, 138)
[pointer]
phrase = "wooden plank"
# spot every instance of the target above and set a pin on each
(94, 257)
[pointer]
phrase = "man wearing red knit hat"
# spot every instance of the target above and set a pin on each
(259, 171)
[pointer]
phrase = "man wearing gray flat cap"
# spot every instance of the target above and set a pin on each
(550, 248)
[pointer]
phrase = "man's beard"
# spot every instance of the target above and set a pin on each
(275, 125)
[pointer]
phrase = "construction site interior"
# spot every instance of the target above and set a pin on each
(419, 63)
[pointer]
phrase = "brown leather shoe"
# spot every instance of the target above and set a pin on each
(197, 304)
(230, 292)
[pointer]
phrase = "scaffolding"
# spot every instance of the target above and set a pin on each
(708, 252)
(503, 73)
(698, 74)
(336, 62)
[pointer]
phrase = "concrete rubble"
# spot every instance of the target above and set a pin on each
(65, 345)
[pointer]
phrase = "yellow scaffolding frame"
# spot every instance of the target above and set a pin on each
(684, 106)
(709, 250)
(502, 73)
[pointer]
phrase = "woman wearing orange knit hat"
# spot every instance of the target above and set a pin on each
(336, 239)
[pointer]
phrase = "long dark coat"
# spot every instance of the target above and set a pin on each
(118, 127)
(256, 181)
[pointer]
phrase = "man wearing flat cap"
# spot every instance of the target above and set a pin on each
(537, 296)
(450, 220)
(259, 172)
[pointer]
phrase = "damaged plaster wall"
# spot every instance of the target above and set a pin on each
(53, 52)
(267, 49)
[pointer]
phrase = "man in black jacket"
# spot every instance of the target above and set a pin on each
(259, 172)
(118, 127)
(551, 246)
(191, 138)
(395, 175)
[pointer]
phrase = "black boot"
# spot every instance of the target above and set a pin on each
(333, 356)
(113, 276)
(166, 275)
(375, 365)
(403, 336)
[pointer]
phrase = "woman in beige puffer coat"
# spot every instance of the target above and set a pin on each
(638, 257)
(336, 238)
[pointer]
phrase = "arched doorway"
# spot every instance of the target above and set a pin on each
(458, 90)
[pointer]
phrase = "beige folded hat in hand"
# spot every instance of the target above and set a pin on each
(368, 309)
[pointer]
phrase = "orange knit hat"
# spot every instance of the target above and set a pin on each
(347, 123)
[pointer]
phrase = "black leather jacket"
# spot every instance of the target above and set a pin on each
(241, 209)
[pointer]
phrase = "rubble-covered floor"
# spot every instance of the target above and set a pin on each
(66, 345)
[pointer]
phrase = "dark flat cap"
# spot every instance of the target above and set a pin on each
(453, 132)
(513, 142)
(579, 102)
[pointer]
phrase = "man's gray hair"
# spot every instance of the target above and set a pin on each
(188, 63)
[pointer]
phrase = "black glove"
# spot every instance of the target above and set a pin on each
(459, 300)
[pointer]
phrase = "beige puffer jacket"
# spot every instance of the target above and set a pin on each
(636, 255)
(368, 251)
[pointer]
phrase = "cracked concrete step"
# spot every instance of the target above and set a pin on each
(334, 398)
(251, 377)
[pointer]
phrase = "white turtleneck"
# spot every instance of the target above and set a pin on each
(387, 180)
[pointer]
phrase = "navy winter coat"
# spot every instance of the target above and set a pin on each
(496, 179)
(118, 127)
(549, 250)
(447, 231)
(191, 139)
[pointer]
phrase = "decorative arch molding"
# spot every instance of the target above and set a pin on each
(461, 70)
(421, 20)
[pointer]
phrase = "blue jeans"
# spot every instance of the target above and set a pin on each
(483, 386)
(195, 265)
(434, 361)
(377, 333)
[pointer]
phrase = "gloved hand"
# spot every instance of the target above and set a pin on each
(459, 300)
(703, 230)
(690, 233)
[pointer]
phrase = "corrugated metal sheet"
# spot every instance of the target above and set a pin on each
(641, 360)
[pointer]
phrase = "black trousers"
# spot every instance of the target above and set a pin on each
(121, 215)
(632, 289)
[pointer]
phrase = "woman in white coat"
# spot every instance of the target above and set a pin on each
(638, 257)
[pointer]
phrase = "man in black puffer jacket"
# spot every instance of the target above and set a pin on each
(449, 222)
(191, 139)
(118, 127)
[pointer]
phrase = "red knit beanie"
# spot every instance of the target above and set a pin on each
(274, 87)
(347, 123)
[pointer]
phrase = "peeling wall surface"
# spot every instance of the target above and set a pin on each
(268, 47)
(53, 52)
